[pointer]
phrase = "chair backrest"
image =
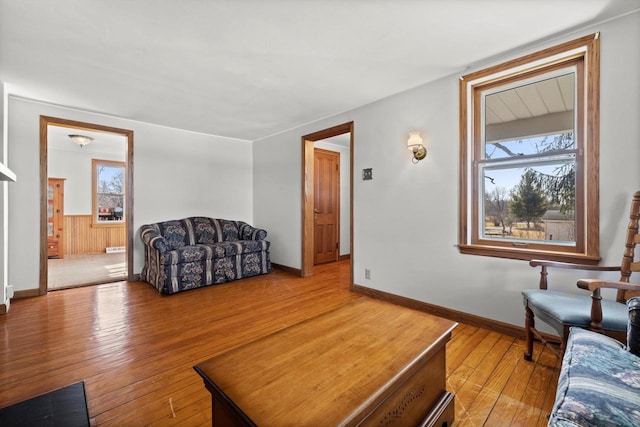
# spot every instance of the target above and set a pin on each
(629, 263)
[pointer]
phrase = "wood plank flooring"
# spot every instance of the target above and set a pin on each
(136, 349)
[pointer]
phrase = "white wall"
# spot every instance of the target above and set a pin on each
(176, 174)
(5, 292)
(406, 218)
(75, 167)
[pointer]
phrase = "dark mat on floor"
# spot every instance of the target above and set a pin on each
(64, 407)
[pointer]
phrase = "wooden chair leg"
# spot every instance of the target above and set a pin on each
(529, 324)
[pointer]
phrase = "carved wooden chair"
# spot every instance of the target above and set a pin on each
(564, 310)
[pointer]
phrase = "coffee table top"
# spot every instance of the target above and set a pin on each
(328, 369)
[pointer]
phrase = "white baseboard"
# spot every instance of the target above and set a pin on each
(115, 249)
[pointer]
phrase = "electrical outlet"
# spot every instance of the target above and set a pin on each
(367, 174)
(367, 273)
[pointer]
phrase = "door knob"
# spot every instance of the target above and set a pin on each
(316, 211)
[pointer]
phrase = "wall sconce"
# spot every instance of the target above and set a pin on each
(81, 140)
(414, 143)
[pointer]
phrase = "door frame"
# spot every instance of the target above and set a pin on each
(308, 193)
(45, 122)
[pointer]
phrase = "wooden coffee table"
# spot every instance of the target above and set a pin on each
(366, 363)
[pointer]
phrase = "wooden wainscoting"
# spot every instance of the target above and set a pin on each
(81, 238)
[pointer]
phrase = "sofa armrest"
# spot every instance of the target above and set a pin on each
(152, 238)
(247, 232)
(633, 329)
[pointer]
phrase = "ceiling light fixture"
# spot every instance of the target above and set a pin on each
(81, 140)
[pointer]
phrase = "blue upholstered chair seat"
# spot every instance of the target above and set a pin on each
(558, 309)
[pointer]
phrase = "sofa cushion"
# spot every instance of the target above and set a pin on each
(599, 383)
(206, 230)
(197, 230)
(175, 233)
(229, 230)
(212, 230)
(196, 253)
(225, 249)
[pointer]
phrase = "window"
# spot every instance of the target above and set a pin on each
(529, 133)
(108, 192)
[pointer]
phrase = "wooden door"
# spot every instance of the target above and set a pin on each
(55, 217)
(326, 205)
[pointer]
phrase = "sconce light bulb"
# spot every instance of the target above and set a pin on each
(414, 139)
(414, 143)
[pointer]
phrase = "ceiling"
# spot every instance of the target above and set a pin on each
(248, 69)
(103, 142)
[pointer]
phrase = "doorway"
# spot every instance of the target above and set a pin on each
(88, 184)
(345, 132)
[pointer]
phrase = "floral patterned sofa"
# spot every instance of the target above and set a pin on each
(599, 382)
(199, 251)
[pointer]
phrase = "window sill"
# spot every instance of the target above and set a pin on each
(528, 254)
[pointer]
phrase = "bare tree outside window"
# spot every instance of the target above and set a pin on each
(532, 175)
(497, 210)
(109, 187)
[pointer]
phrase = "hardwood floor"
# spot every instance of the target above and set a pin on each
(136, 349)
